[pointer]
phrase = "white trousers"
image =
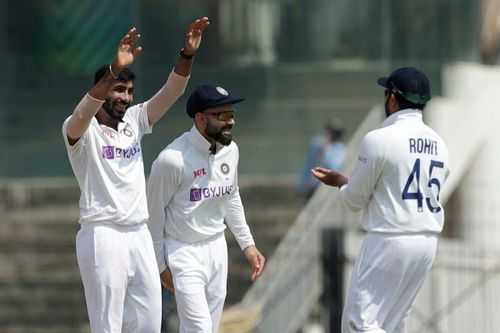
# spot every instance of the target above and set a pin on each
(199, 271)
(120, 277)
(387, 276)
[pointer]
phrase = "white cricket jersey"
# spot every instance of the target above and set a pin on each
(108, 164)
(191, 192)
(400, 171)
(109, 168)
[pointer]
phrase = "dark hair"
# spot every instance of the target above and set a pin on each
(406, 104)
(124, 76)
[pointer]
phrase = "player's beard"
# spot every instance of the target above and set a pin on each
(108, 107)
(217, 134)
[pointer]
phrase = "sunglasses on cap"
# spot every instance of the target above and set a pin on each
(224, 115)
(412, 97)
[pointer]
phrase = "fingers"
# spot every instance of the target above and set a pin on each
(137, 51)
(199, 24)
(320, 172)
(165, 285)
(128, 41)
(134, 39)
(166, 280)
(196, 33)
(256, 270)
(169, 286)
(131, 36)
(196, 28)
(257, 262)
(259, 267)
(126, 54)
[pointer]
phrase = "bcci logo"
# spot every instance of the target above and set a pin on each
(224, 168)
(222, 91)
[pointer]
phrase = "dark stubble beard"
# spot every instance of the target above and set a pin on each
(217, 135)
(108, 107)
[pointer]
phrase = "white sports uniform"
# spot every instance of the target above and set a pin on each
(114, 247)
(190, 193)
(400, 170)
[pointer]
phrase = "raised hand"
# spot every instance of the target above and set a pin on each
(194, 32)
(125, 53)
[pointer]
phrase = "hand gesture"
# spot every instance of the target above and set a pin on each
(329, 177)
(193, 35)
(256, 260)
(166, 279)
(125, 53)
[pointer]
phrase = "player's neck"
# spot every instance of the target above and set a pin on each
(103, 118)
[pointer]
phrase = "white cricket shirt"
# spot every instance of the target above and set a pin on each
(400, 171)
(191, 192)
(108, 164)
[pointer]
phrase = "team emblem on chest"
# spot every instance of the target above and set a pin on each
(224, 168)
(128, 131)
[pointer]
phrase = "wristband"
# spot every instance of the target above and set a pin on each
(186, 56)
(112, 74)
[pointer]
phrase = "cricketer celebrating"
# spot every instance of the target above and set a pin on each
(192, 188)
(103, 140)
(400, 170)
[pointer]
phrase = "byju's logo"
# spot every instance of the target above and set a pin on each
(108, 152)
(195, 194)
(112, 152)
(198, 194)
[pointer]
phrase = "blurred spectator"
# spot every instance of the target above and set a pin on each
(326, 150)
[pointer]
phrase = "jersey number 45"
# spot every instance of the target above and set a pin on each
(432, 199)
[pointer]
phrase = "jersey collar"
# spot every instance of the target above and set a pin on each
(403, 115)
(199, 141)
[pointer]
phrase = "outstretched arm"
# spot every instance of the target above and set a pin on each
(92, 102)
(174, 88)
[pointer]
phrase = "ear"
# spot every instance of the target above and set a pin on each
(199, 118)
(393, 103)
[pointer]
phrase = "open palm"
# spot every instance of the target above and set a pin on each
(193, 35)
(125, 53)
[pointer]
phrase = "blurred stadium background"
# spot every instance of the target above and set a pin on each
(298, 62)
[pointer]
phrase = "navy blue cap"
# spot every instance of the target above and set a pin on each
(408, 82)
(207, 96)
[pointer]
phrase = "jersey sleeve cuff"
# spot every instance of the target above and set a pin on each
(177, 83)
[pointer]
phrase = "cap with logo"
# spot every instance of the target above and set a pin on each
(408, 82)
(207, 96)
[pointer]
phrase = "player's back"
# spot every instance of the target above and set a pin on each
(412, 167)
